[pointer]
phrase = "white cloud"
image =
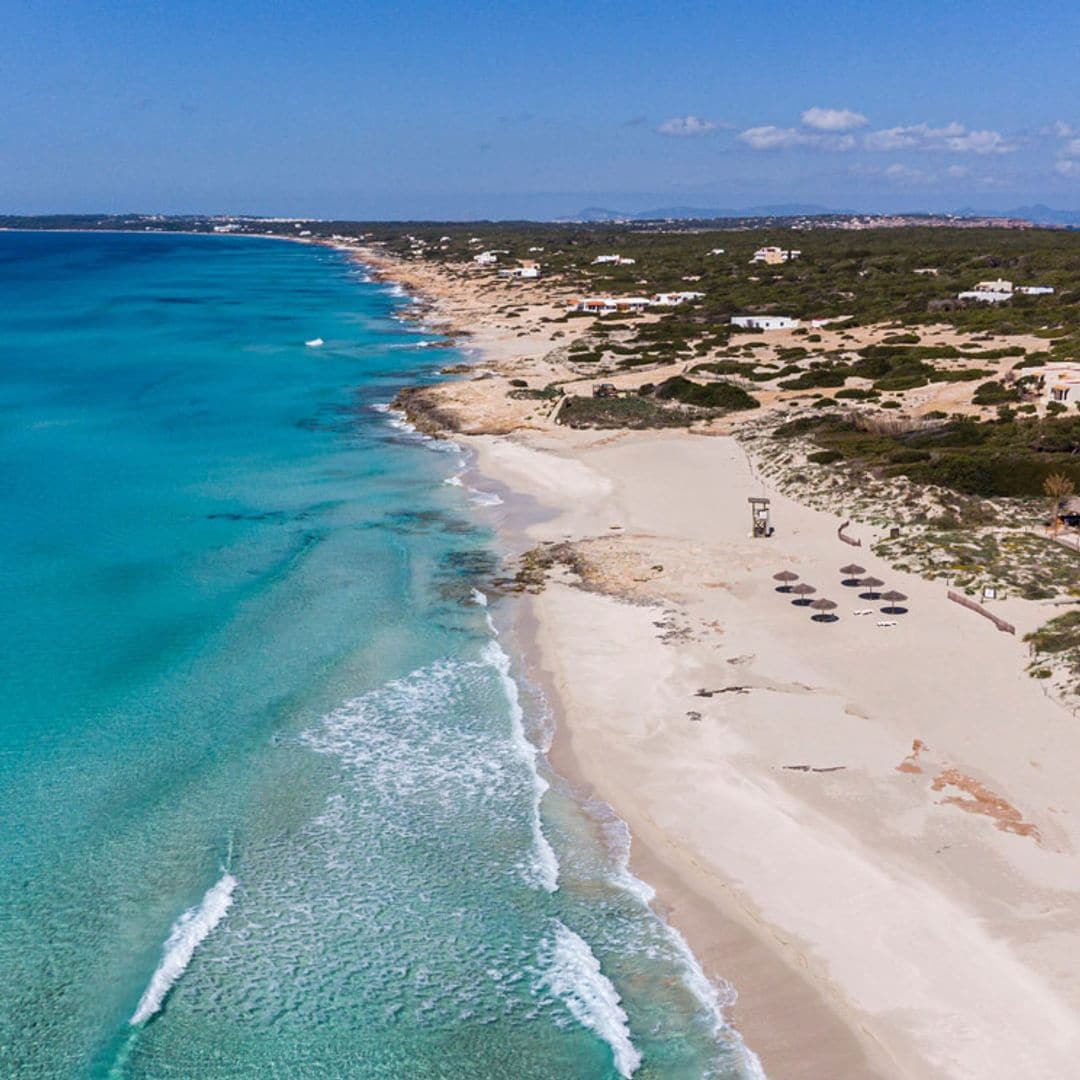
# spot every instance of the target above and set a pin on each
(981, 142)
(906, 174)
(686, 126)
(1060, 129)
(770, 137)
(1072, 148)
(957, 172)
(833, 119)
(954, 137)
(1068, 168)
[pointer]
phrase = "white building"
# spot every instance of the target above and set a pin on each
(764, 322)
(717, 251)
(774, 255)
(673, 299)
(1035, 290)
(609, 305)
(616, 260)
(528, 270)
(1062, 384)
(985, 296)
(486, 258)
(997, 285)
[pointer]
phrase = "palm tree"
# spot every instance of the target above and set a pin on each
(1058, 487)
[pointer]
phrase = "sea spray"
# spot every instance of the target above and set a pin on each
(573, 975)
(188, 932)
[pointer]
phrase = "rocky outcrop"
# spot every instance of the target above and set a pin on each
(425, 408)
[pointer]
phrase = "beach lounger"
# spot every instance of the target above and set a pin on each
(863, 611)
(887, 622)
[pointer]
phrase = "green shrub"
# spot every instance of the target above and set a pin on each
(899, 383)
(907, 456)
(621, 412)
(1057, 635)
(824, 457)
(808, 380)
(719, 395)
(853, 393)
(994, 393)
(959, 375)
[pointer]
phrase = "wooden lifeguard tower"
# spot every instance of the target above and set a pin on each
(759, 513)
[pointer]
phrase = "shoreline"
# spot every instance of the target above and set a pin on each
(774, 1005)
(899, 915)
(761, 993)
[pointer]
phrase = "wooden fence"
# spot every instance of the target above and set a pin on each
(847, 539)
(1001, 624)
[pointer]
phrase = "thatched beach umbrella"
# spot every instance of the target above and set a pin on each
(852, 572)
(893, 598)
(802, 591)
(823, 607)
(871, 584)
(785, 577)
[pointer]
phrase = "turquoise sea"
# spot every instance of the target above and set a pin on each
(270, 804)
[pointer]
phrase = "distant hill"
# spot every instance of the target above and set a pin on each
(1044, 215)
(682, 213)
(1039, 213)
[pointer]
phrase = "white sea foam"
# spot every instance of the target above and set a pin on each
(715, 998)
(544, 867)
(187, 933)
(574, 976)
(479, 598)
(476, 496)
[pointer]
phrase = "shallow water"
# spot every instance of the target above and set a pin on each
(270, 801)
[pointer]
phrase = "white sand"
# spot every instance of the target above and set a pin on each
(935, 943)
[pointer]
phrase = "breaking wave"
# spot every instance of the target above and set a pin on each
(188, 932)
(716, 998)
(476, 496)
(545, 864)
(573, 975)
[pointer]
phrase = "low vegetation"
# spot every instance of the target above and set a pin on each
(1011, 456)
(1055, 649)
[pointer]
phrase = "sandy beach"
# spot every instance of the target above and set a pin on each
(868, 831)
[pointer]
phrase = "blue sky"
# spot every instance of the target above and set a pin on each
(378, 109)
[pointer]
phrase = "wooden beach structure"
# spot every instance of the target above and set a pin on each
(759, 514)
